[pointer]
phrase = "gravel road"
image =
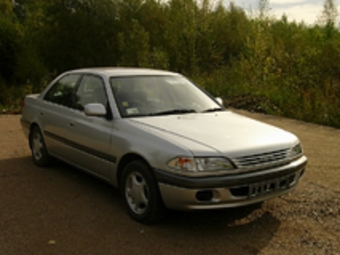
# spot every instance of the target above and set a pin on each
(61, 210)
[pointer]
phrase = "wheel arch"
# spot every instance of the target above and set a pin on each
(32, 126)
(126, 159)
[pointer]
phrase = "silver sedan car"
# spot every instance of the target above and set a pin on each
(162, 140)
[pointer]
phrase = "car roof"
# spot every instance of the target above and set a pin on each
(123, 71)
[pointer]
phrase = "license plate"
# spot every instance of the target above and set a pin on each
(263, 188)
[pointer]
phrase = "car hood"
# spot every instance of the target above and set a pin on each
(225, 132)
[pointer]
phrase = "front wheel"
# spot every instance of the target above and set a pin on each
(141, 194)
(39, 152)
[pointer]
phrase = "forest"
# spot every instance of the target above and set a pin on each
(253, 61)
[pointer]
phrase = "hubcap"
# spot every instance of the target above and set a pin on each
(137, 193)
(37, 146)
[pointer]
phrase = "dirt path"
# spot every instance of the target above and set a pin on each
(61, 210)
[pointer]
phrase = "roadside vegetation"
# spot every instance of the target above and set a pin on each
(253, 61)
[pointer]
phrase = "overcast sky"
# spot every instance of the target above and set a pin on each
(307, 10)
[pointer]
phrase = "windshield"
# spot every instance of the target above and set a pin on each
(159, 95)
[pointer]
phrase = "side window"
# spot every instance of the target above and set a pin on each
(62, 91)
(90, 90)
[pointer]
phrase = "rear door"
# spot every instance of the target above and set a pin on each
(55, 115)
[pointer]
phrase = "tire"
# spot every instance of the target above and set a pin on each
(140, 193)
(38, 148)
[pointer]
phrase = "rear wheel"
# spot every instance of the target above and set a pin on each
(141, 194)
(38, 148)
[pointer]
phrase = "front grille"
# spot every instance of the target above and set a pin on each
(262, 160)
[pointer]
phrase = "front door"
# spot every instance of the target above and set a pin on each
(90, 136)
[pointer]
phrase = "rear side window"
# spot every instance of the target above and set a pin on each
(62, 91)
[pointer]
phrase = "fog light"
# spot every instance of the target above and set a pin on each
(204, 195)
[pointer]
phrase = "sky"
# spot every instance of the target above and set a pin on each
(298, 10)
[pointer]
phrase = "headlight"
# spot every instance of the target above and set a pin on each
(296, 150)
(200, 164)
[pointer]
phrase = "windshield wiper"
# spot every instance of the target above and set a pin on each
(172, 111)
(214, 110)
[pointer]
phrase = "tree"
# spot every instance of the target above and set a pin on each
(134, 46)
(10, 41)
(264, 9)
(329, 14)
(6, 7)
(79, 33)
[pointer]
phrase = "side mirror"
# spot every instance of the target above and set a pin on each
(219, 100)
(95, 109)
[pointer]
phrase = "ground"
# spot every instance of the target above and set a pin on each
(61, 210)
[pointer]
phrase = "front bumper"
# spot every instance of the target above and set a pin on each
(187, 193)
